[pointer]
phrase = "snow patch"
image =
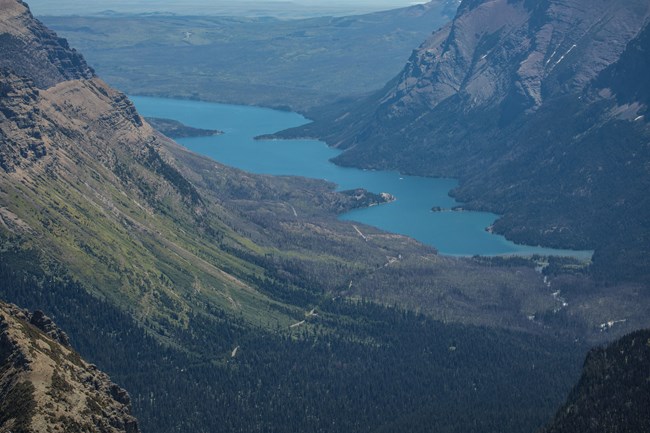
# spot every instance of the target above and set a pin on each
(565, 54)
(610, 324)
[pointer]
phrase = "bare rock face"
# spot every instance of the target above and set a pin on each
(54, 113)
(30, 49)
(46, 386)
(41, 78)
(18, 98)
(498, 63)
(515, 54)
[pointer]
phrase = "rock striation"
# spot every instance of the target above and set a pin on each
(515, 54)
(46, 386)
(30, 49)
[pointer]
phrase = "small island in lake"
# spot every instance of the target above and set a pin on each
(175, 129)
(360, 198)
(444, 209)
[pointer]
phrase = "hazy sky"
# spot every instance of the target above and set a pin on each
(217, 7)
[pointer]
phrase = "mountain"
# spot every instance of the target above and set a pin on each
(87, 182)
(613, 393)
(227, 301)
(46, 386)
(33, 50)
(538, 108)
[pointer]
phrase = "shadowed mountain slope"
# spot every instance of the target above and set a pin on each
(538, 108)
(613, 394)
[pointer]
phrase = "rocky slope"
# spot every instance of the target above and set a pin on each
(46, 386)
(515, 99)
(613, 394)
(514, 55)
(31, 49)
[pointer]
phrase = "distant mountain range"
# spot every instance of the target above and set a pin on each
(285, 9)
(539, 108)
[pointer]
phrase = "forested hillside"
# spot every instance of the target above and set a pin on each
(613, 393)
(368, 368)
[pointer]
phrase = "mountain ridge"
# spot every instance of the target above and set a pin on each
(37, 51)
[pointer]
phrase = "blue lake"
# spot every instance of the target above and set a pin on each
(452, 233)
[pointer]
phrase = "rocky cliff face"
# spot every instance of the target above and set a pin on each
(514, 54)
(613, 394)
(497, 62)
(46, 386)
(19, 98)
(32, 50)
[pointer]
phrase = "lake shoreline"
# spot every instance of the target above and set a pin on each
(409, 212)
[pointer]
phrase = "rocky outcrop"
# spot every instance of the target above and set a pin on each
(46, 325)
(46, 386)
(18, 98)
(30, 49)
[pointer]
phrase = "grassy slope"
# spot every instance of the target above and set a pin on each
(119, 227)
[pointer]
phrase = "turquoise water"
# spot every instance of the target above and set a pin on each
(452, 233)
